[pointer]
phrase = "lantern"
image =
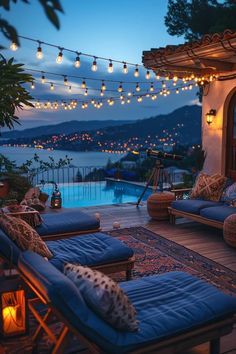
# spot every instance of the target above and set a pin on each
(14, 308)
(210, 115)
(56, 200)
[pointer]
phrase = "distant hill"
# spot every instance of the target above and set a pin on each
(70, 127)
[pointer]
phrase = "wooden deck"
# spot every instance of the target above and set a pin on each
(203, 239)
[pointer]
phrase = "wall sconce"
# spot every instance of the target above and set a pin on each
(210, 115)
(13, 308)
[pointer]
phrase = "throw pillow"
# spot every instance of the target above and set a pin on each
(104, 296)
(208, 187)
(24, 235)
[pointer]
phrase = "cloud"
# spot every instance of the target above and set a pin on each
(195, 102)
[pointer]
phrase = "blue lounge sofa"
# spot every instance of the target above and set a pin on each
(65, 223)
(97, 250)
(203, 211)
(176, 311)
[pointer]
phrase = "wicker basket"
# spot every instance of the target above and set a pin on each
(229, 230)
(158, 203)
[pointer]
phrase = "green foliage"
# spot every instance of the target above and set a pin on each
(194, 18)
(18, 184)
(13, 95)
(50, 7)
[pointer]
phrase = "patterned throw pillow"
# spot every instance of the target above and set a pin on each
(24, 235)
(208, 187)
(104, 296)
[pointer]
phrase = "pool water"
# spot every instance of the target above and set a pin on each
(85, 194)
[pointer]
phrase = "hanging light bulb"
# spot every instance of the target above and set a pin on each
(110, 67)
(77, 61)
(139, 99)
(32, 85)
(158, 77)
(128, 100)
(51, 87)
(137, 88)
(39, 54)
(43, 80)
(163, 84)
(120, 88)
(69, 89)
(136, 72)
(175, 78)
(125, 68)
(154, 97)
(151, 89)
(121, 97)
(101, 93)
(65, 81)
(122, 102)
(167, 77)
(129, 94)
(103, 87)
(83, 85)
(60, 56)
(94, 65)
(86, 92)
(147, 76)
(13, 46)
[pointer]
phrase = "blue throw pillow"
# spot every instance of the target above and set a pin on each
(104, 296)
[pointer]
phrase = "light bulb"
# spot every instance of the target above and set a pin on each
(39, 54)
(128, 100)
(69, 89)
(65, 81)
(110, 67)
(158, 77)
(77, 62)
(86, 92)
(83, 85)
(129, 93)
(125, 68)
(51, 87)
(121, 97)
(103, 87)
(147, 76)
(139, 99)
(101, 93)
(94, 65)
(120, 88)
(13, 46)
(43, 79)
(136, 71)
(32, 86)
(175, 78)
(167, 77)
(122, 102)
(163, 84)
(137, 88)
(151, 88)
(59, 57)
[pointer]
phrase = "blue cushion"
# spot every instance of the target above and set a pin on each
(90, 249)
(193, 206)
(8, 249)
(69, 220)
(167, 304)
(218, 213)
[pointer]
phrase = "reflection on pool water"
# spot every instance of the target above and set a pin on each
(97, 193)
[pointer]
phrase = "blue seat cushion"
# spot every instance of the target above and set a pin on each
(167, 305)
(66, 221)
(90, 249)
(8, 249)
(218, 213)
(193, 206)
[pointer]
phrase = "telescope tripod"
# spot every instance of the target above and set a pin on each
(157, 176)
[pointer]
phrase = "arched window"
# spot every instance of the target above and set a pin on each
(230, 157)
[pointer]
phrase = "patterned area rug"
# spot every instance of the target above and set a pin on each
(154, 255)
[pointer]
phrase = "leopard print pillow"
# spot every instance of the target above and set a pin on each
(24, 235)
(104, 296)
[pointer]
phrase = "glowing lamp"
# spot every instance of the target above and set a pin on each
(210, 116)
(14, 308)
(56, 200)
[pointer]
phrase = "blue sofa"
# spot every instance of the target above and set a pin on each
(97, 250)
(66, 222)
(175, 310)
(206, 212)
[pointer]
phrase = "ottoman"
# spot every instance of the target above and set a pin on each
(158, 204)
(229, 230)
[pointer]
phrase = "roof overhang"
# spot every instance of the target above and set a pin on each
(212, 55)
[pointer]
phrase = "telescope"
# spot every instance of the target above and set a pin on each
(157, 154)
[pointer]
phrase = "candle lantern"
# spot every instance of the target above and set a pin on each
(14, 308)
(56, 200)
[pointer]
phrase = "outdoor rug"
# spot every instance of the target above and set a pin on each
(154, 255)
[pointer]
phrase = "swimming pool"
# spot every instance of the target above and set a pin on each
(85, 194)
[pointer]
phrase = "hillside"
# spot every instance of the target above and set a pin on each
(62, 128)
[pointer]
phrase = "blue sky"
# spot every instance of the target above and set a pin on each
(114, 29)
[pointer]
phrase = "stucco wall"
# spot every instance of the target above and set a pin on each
(214, 135)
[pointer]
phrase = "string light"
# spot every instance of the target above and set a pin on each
(51, 87)
(103, 87)
(120, 88)
(137, 88)
(39, 54)
(65, 81)
(69, 89)
(94, 65)
(83, 85)
(163, 84)
(13, 46)
(77, 61)
(121, 97)
(129, 93)
(101, 93)
(177, 91)
(110, 67)
(136, 72)
(60, 56)
(86, 92)
(139, 99)
(43, 80)
(32, 85)
(125, 68)
(151, 89)
(158, 77)
(147, 76)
